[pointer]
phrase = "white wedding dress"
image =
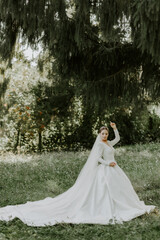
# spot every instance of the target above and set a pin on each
(100, 195)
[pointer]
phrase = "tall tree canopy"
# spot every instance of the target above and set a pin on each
(90, 44)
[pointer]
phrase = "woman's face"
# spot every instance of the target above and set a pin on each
(104, 135)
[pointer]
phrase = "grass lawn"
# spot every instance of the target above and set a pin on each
(33, 177)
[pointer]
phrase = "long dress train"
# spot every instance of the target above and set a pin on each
(107, 197)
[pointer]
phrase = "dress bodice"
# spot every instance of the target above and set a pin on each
(108, 152)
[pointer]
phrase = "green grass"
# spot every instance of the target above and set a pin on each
(34, 177)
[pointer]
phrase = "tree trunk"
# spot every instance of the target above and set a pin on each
(39, 141)
(17, 140)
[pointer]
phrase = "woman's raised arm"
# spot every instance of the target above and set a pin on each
(117, 137)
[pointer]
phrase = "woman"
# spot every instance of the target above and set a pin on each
(102, 194)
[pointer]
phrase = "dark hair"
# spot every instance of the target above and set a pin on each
(103, 128)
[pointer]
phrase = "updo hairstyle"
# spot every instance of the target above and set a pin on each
(103, 128)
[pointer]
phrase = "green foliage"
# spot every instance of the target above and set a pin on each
(145, 23)
(136, 124)
(88, 61)
(110, 13)
(153, 127)
(39, 120)
(34, 177)
(90, 43)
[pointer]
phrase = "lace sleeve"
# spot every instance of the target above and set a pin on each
(100, 154)
(117, 138)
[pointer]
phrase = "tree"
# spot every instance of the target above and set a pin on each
(88, 41)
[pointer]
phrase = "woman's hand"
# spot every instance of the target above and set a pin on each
(113, 125)
(112, 164)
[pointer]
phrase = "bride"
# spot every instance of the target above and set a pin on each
(102, 194)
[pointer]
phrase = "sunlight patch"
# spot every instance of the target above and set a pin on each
(146, 153)
(10, 157)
